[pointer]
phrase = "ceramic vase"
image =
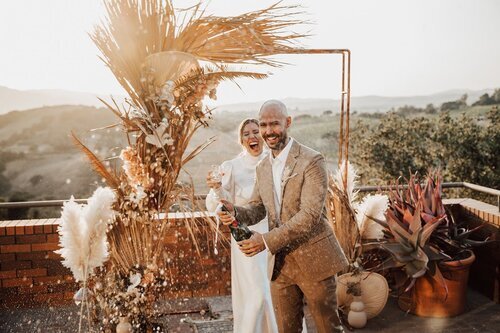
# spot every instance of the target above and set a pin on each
(357, 315)
(124, 326)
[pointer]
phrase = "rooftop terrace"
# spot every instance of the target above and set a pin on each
(36, 290)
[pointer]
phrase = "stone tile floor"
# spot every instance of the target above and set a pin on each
(193, 316)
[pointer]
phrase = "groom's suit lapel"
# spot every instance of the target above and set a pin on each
(288, 172)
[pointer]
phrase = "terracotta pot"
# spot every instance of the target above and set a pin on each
(428, 296)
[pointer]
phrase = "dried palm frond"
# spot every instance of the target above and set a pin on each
(97, 164)
(133, 30)
(136, 29)
(244, 39)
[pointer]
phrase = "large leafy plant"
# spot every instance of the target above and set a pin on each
(419, 233)
(414, 216)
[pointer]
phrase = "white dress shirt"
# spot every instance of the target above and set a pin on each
(278, 166)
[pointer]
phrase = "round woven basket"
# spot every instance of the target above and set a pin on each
(374, 291)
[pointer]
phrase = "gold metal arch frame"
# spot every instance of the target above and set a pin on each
(345, 99)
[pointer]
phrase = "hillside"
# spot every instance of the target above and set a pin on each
(361, 103)
(38, 157)
(41, 159)
(11, 99)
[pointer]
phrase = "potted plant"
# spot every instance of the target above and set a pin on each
(430, 248)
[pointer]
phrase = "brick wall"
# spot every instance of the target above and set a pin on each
(478, 209)
(485, 271)
(31, 273)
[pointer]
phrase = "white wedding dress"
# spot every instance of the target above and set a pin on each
(250, 286)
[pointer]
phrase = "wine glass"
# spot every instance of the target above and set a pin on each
(215, 173)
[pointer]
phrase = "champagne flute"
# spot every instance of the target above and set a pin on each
(215, 173)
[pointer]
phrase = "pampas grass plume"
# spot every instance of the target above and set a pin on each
(352, 176)
(372, 206)
(97, 214)
(83, 233)
(70, 240)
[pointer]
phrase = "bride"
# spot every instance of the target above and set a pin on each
(250, 286)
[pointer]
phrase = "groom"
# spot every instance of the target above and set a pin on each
(291, 188)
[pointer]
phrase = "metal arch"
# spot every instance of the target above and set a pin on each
(345, 99)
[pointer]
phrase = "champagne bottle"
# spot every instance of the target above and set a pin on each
(239, 230)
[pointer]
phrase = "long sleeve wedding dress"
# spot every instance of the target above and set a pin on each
(250, 286)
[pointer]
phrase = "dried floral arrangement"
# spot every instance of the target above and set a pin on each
(351, 222)
(351, 217)
(167, 61)
(341, 201)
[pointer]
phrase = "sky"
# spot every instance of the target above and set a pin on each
(399, 48)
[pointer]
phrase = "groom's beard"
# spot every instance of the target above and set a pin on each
(279, 145)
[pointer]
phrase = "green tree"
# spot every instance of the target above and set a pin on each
(463, 148)
(496, 96)
(4, 181)
(393, 147)
(463, 99)
(430, 109)
(484, 99)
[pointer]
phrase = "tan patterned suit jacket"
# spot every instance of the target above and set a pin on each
(301, 234)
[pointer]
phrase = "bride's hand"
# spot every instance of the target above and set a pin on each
(211, 183)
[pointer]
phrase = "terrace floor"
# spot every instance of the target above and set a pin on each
(192, 315)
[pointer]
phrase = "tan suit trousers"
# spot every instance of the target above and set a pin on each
(288, 291)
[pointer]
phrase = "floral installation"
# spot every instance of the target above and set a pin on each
(352, 224)
(167, 69)
(342, 201)
(351, 217)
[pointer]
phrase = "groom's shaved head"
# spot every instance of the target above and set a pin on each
(273, 123)
(274, 104)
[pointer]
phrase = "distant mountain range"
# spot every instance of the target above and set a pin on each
(11, 99)
(19, 100)
(363, 103)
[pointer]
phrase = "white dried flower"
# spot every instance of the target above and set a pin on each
(135, 280)
(160, 136)
(166, 94)
(138, 195)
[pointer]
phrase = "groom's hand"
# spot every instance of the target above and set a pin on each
(253, 245)
(226, 217)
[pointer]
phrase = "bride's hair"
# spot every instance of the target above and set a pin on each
(242, 126)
